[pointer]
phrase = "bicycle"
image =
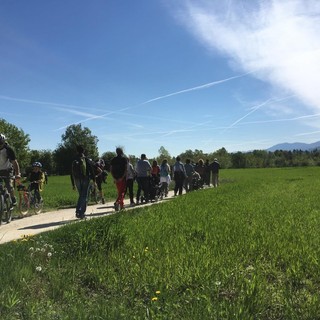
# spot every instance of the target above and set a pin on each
(5, 201)
(28, 200)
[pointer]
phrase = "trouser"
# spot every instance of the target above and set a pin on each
(179, 180)
(121, 188)
(215, 179)
(129, 189)
(83, 188)
(143, 185)
(188, 183)
(36, 188)
(7, 180)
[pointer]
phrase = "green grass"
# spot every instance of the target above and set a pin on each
(247, 250)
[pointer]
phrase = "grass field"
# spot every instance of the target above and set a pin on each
(247, 250)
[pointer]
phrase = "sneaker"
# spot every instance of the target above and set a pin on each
(116, 206)
(132, 204)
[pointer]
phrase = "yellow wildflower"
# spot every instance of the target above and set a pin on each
(154, 299)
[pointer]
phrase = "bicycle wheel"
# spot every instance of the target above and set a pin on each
(38, 206)
(8, 208)
(24, 203)
(1, 208)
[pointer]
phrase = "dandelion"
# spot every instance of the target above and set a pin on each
(158, 292)
(38, 269)
(218, 283)
(154, 299)
(49, 254)
(146, 249)
(250, 268)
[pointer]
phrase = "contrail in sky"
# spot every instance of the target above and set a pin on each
(204, 86)
(255, 108)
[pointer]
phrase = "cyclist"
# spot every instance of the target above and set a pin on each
(36, 179)
(9, 166)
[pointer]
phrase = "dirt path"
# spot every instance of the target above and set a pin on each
(35, 224)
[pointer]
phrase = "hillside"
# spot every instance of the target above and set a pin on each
(295, 146)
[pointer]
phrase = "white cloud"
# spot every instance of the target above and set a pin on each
(279, 40)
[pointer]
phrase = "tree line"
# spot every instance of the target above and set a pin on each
(58, 161)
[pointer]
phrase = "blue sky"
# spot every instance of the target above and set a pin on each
(180, 74)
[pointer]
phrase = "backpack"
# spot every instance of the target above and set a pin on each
(164, 171)
(79, 168)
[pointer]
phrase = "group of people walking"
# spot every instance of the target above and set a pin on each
(83, 170)
(191, 176)
(144, 173)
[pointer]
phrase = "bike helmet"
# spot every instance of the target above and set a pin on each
(37, 164)
(2, 138)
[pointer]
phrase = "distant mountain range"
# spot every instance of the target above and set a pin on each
(295, 146)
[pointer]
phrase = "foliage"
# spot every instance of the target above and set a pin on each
(163, 154)
(246, 250)
(59, 160)
(107, 157)
(74, 135)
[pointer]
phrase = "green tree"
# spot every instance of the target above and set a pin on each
(238, 160)
(18, 140)
(107, 156)
(74, 135)
(223, 157)
(163, 154)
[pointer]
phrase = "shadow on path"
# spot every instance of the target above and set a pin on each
(47, 225)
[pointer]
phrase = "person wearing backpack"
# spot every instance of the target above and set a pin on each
(82, 171)
(179, 175)
(118, 169)
(188, 185)
(165, 178)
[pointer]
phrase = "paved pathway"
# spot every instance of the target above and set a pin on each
(46, 221)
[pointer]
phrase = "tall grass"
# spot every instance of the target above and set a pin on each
(246, 250)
